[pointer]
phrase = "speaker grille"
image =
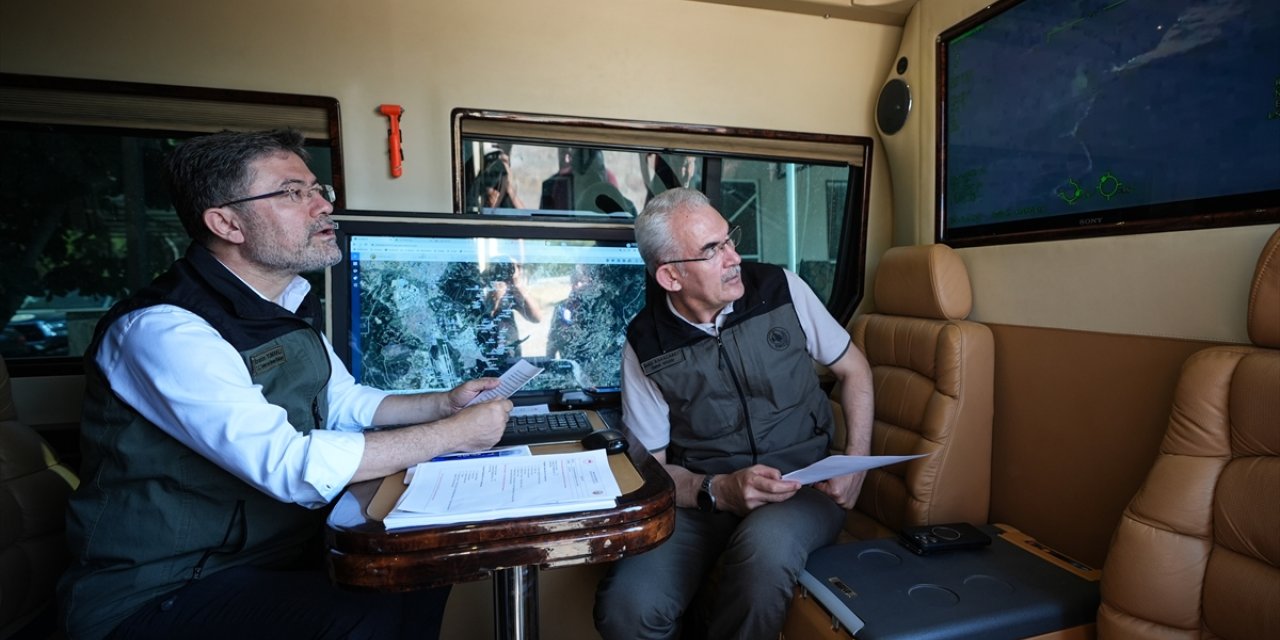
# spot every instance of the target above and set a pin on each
(893, 106)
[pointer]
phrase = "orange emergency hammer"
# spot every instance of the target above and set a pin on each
(393, 112)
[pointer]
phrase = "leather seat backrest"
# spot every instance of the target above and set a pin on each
(932, 373)
(34, 488)
(1197, 550)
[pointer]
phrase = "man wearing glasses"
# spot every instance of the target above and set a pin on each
(719, 384)
(218, 423)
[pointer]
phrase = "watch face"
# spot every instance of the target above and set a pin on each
(706, 501)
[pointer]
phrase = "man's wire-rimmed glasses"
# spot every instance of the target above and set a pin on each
(713, 251)
(296, 194)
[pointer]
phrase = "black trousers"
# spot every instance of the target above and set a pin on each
(252, 602)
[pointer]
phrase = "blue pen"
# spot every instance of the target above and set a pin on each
(492, 453)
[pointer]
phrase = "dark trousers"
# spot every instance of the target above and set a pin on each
(758, 559)
(251, 602)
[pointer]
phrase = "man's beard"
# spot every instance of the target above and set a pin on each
(299, 259)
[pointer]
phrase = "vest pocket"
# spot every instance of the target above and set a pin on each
(232, 541)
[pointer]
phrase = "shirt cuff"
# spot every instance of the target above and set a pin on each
(332, 460)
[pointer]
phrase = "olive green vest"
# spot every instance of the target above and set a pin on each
(151, 514)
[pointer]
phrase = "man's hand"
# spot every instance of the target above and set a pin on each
(480, 426)
(460, 395)
(843, 489)
(747, 489)
(458, 429)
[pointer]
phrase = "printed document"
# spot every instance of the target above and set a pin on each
(478, 489)
(832, 466)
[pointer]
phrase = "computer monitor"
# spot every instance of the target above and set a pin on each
(428, 302)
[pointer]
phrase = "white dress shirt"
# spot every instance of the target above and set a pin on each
(175, 370)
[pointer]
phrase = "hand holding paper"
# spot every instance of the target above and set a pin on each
(510, 382)
(833, 466)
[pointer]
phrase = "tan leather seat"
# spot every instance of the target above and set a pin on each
(1197, 551)
(933, 375)
(34, 488)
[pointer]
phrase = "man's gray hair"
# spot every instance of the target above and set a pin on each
(654, 235)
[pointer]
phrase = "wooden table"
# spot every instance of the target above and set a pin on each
(362, 554)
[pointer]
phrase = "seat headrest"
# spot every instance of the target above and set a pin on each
(924, 281)
(1264, 296)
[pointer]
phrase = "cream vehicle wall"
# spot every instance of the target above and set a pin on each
(662, 60)
(1089, 333)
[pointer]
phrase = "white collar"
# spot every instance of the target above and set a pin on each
(710, 328)
(290, 298)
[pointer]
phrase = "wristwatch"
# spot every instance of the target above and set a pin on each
(706, 499)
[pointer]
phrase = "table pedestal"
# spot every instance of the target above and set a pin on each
(515, 603)
(365, 556)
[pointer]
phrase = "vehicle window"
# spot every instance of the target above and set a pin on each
(86, 220)
(790, 193)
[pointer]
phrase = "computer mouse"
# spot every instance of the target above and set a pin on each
(611, 440)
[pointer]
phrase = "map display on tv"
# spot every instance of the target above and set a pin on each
(1087, 112)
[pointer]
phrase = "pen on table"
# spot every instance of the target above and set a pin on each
(476, 454)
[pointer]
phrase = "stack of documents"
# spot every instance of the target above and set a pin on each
(490, 488)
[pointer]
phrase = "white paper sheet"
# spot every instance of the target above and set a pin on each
(509, 382)
(479, 489)
(833, 466)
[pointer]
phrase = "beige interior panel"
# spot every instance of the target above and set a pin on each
(1079, 417)
(1185, 284)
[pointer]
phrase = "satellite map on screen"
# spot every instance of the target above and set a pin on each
(432, 325)
(1057, 108)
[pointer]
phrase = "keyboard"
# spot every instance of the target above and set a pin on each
(545, 427)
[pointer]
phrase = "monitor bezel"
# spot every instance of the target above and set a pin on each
(453, 225)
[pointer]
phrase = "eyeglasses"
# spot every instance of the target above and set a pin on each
(713, 251)
(295, 194)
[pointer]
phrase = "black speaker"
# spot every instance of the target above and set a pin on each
(893, 106)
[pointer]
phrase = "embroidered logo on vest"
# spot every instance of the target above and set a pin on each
(653, 365)
(778, 338)
(267, 360)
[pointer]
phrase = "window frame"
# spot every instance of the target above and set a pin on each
(157, 109)
(855, 152)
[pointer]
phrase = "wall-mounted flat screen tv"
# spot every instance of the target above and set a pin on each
(1095, 117)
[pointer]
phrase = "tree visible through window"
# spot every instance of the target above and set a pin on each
(85, 214)
(87, 219)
